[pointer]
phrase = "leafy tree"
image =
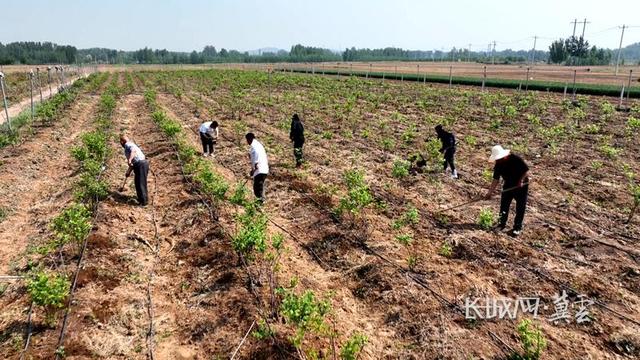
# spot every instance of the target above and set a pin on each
(557, 52)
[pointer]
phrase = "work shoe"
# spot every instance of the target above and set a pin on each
(454, 175)
(205, 154)
(500, 227)
(516, 232)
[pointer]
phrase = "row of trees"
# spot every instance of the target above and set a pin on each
(576, 51)
(504, 56)
(36, 53)
(571, 51)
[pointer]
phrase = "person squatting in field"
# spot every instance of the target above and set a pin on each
(515, 173)
(209, 137)
(139, 165)
(296, 134)
(448, 149)
(259, 166)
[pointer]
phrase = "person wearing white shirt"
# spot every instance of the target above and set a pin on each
(259, 166)
(208, 137)
(139, 165)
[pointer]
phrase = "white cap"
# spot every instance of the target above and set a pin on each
(498, 152)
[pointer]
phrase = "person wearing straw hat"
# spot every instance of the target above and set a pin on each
(515, 174)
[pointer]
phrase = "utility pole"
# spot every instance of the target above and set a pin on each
(584, 25)
(620, 49)
(533, 54)
(493, 54)
(575, 22)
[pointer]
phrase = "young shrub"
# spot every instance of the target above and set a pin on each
(358, 195)
(592, 129)
(48, 290)
(471, 140)
(352, 348)
(212, 184)
(400, 169)
(486, 219)
(445, 250)
(610, 151)
(252, 232)
(72, 225)
(633, 124)
(607, 110)
(305, 312)
(239, 196)
(533, 342)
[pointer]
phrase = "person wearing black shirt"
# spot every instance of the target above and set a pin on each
(448, 149)
(297, 136)
(515, 174)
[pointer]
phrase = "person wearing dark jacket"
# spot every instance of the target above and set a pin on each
(297, 137)
(448, 149)
(515, 173)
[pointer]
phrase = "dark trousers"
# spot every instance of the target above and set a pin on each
(448, 159)
(258, 186)
(297, 151)
(207, 143)
(140, 172)
(520, 195)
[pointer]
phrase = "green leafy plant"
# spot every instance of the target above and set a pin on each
(445, 250)
(358, 195)
(263, 331)
(486, 219)
(211, 183)
(239, 196)
(352, 348)
(252, 232)
(305, 312)
(400, 169)
(49, 290)
(533, 342)
(72, 225)
(610, 151)
(410, 217)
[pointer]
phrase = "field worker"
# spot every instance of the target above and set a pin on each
(259, 166)
(448, 149)
(297, 136)
(515, 173)
(139, 165)
(209, 137)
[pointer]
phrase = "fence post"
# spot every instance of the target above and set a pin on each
(351, 69)
(418, 77)
(450, 76)
(39, 86)
(621, 97)
(629, 87)
(269, 85)
(526, 82)
(31, 82)
(575, 72)
(369, 72)
(4, 99)
(49, 78)
(564, 96)
(484, 76)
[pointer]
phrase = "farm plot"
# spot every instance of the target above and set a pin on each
(352, 254)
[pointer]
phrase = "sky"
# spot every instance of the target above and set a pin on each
(185, 25)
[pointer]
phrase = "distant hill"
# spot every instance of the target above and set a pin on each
(631, 52)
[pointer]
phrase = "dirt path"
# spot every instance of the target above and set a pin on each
(35, 180)
(16, 109)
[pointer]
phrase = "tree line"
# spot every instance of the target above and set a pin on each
(575, 51)
(571, 51)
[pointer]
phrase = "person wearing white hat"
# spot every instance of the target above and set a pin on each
(515, 174)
